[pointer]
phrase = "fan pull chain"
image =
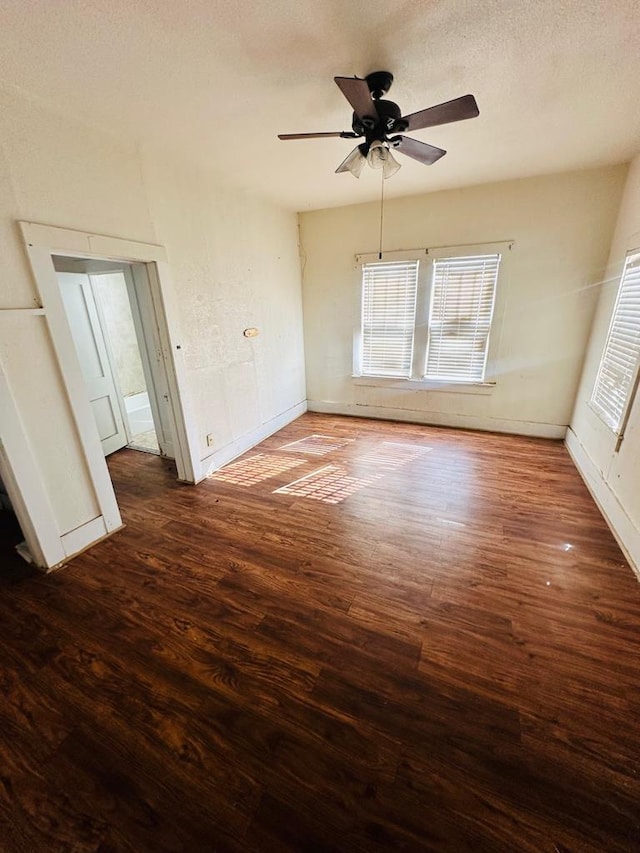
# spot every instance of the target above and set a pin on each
(381, 213)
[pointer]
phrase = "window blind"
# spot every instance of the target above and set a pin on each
(462, 299)
(619, 360)
(388, 317)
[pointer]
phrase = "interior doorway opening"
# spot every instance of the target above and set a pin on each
(54, 536)
(114, 338)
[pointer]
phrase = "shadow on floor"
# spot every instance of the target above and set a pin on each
(12, 567)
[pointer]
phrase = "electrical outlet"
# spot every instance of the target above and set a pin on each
(210, 440)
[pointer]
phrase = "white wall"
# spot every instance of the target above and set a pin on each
(562, 226)
(234, 262)
(613, 477)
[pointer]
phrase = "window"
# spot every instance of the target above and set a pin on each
(619, 364)
(428, 318)
(462, 298)
(388, 317)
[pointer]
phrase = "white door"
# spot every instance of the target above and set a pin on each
(92, 352)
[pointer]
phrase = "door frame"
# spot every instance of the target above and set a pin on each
(20, 475)
(147, 335)
(141, 302)
(42, 242)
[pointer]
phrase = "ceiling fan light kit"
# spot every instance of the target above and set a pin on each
(380, 157)
(354, 162)
(375, 118)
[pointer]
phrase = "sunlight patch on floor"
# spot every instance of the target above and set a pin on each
(255, 469)
(318, 445)
(330, 484)
(391, 454)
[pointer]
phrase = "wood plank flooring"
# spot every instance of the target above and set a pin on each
(432, 645)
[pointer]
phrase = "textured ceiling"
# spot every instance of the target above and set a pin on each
(557, 82)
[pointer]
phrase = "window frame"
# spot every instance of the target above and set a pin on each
(631, 257)
(426, 256)
(386, 321)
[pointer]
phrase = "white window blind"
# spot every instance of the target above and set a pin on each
(462, 299)
(388, 317)
(619, 361)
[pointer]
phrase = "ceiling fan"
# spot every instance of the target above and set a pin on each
(374, 119)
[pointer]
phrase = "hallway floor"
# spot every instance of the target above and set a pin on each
(360, 636)
(145, 441)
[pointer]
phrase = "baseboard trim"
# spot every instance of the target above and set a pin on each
(83, 536)
(529, 428)
(622, 527)
(226, 454)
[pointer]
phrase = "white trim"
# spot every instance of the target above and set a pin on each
(456, 421)
(42, 243)
(24, 484)
(598, 413)
(71, 373)
(185, 440)
(425, 385)
(628, 406)
(81, 537)
(81, 244)
(622, 526)
(143, 309)
(21, 312)
(226, 454)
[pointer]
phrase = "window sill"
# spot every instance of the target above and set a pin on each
(398, 384)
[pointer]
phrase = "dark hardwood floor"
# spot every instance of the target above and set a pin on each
(433, 644)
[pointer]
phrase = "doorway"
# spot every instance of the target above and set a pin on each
(104, 262)
(114, 339)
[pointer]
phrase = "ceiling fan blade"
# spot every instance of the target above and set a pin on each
(357, 92)
(308, 135)
(420, 151)
(456, 110)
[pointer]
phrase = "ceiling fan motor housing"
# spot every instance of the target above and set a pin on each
(379, 83)
(389, 121)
